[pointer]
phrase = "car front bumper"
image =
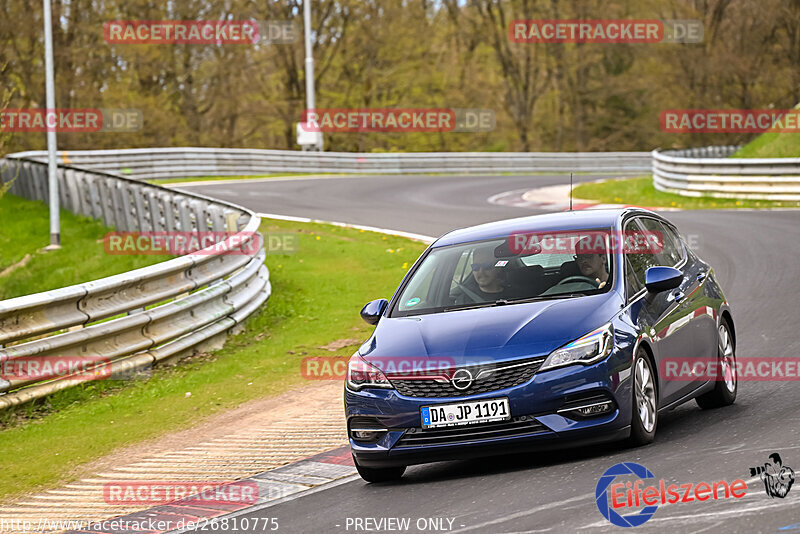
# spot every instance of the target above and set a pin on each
(536, 423)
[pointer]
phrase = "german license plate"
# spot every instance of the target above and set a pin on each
(465, 413)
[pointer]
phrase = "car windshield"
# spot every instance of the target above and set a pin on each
(520, 268)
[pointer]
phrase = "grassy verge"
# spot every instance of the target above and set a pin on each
(771, 145)
(25, 230)
(641, 192)
(317, 293)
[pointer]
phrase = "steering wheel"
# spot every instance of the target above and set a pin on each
(578, 278)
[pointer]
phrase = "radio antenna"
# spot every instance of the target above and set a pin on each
(570, 191)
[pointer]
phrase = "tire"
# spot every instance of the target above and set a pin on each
(379, 474)
(644, 397)
(727, 384)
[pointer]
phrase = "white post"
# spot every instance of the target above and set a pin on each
(310, 65)
(52, 178)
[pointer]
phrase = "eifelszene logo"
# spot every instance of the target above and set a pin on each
(627, 496)
(601, 495)
(777, 478)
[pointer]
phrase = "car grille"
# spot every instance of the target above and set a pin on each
(487, 378)
(417, 437)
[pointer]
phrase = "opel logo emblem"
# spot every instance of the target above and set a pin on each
(462, 379)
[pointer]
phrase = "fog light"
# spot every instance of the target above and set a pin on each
(588, 410)
(594, 409)
(366, 434)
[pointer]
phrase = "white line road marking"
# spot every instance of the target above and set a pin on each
(387, 231)
(268, 504)
(535, 509)
(694, 517)
(199, 183)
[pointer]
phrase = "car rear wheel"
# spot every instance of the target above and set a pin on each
(644, 416)
(379, 474)
(724, 392)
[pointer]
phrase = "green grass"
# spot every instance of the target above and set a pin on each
(771, 145)
(317, 294)
(25, 229)
(641, 192)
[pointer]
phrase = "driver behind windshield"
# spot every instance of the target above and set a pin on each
(488, 283)
(591, 264)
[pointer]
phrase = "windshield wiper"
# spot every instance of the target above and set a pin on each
(471, 306)
(540, 297)
(506, 302)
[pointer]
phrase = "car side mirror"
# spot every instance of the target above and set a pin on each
(372, 311)
(658, 279)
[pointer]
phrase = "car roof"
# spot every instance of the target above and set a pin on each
(549, 222)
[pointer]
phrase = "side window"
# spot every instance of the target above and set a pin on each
(637, 261)
(672, 240)
(668, 247)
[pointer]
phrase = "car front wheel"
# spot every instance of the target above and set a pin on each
(644, 418)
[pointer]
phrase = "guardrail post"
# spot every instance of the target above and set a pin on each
(143, 215)
(184, 214)
(158, 212)
(118, 207)
(104, 196)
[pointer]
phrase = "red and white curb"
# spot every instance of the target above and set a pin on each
(553, 198)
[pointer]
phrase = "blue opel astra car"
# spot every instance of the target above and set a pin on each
(534, 333)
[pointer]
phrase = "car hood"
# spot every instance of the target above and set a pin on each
(492, 334)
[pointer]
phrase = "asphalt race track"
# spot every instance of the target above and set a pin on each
(755, 255)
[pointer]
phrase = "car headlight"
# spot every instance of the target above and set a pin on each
(587, 349)
(362, 374)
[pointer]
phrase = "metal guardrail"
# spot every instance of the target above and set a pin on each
(710, 172)
(160, 163)
(139, 318)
